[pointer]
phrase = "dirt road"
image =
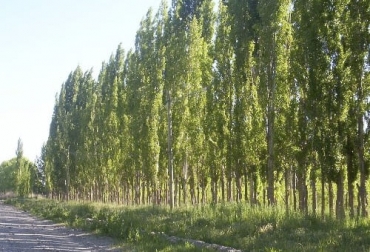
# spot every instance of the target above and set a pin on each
(19, 231)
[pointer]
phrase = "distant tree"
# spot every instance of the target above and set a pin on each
(8, 176)
(23, 170)
(38, 174)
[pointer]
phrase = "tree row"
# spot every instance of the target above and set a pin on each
(259, 101)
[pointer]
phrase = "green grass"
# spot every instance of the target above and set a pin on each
(235, 225)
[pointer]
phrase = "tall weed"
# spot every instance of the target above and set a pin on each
(235, 225)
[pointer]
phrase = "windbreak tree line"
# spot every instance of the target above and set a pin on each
(259, 101)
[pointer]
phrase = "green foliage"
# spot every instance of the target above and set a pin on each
(20, 176)
(236, 225)
(257, 102)
(8, 176)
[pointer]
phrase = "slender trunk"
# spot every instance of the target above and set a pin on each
(214, 190)
(229, 189)
(203, 193)
(193, 196)
(302, 191)
(331, 199)
(358, 200)
(233, 184)
(340, 213)
(287, 188)
(238, 188)
(323, 195)
(314, 196)
(175, 192)
(223, 186)
(150, 189)
(363, 193)
(138, 192)
(143, 193)
(270, 161)
(271, 89)
(251, 190)
(245, 187)
(133, 192)
(170, 154)
(127, 193)
(184, 180)
(180, 192)
(294, 182)
(184, 191)
(167, 196)
(351, 198)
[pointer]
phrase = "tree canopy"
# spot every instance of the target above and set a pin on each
(253, 100)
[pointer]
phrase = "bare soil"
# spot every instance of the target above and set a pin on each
(19, 231)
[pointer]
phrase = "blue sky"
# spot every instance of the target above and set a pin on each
(41, 42)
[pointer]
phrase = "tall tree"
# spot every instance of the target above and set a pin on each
(358, 44)
(23, 170)
(274, 38)
(220, 105)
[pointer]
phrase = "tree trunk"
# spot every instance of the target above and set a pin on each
(252, 196)
(331, 199)
(287, 188)
(223, 187)
(214, 190)
(245, 187)
(185, 179)
(238, 188)
(184, 191)
(323, 195)
(143, 193)
(229, 189)
(302, 191)
(351, 199)
(294, 182)
(314, 196)
(138, 190)
(203, 193)
(175, 193)
(363, 193)
(340, 213)
(270, 161)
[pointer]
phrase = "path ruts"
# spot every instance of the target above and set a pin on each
(20, 231)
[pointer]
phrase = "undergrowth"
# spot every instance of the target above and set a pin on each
(235, 225)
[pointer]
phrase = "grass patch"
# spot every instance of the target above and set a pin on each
(235, 225)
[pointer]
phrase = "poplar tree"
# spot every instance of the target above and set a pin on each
(337, 97)
(150, 75)
(247, 118)
(174, 81)
(358, 43)
(23, 171)
(273, 52)
(134, 94)
(86, 161)
(160, 21)
(220, 106)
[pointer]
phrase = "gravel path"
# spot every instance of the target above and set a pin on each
(20, 231)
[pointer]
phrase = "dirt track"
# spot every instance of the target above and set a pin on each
(20, 231)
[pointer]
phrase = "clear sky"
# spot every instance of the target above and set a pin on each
(41, 42)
